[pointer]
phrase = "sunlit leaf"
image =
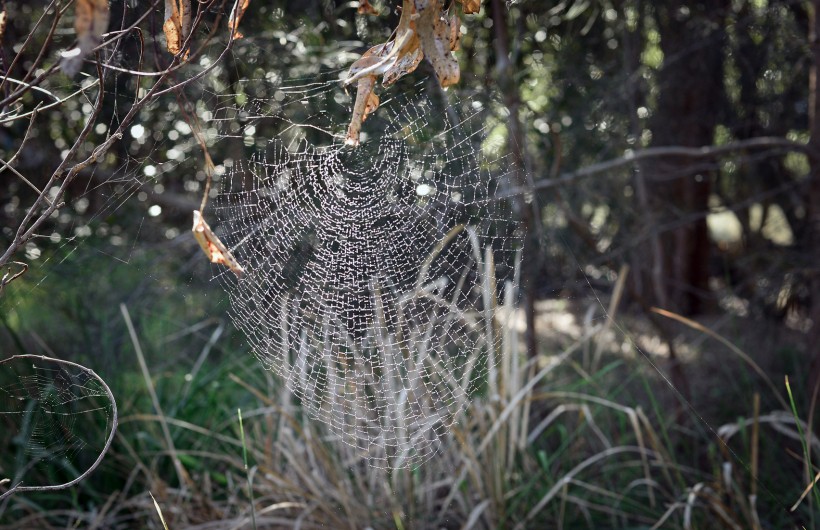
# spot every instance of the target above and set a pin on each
(177, 25)
(470, 6)
(361, 108)
(216, 251)
(437, 43)
(366, 9)
(391, 60)
(424, 30)
(236, 17)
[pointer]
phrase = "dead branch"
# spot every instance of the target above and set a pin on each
(631, 157)
(75, 161)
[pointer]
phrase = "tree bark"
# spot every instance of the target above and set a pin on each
(691, 95)
(505, 78)
(813, 228)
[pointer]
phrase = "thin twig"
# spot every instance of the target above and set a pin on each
(19, 54)
(763, 142)
(8, 277)
(35, 216)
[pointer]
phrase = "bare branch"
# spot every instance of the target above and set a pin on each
(8, 165)
(9, 277)
(65, 173)
(710, 151)
(19, 54)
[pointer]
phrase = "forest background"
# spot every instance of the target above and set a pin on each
(667, 153)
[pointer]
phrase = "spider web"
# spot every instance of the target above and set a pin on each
(372, 273)
(56, 421)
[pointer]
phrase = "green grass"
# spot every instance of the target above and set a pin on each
(608, 451)
(245, 461)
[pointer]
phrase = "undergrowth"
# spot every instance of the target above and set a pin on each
(581, 437)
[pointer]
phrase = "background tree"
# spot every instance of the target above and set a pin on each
(678, 138)
(689, 104)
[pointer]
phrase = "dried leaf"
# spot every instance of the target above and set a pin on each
(455, 33)
(90, 23)
(372, 104)
(2, 24)
(470, 6)
(236, 17)
(435, 35)
(366, 9)
(363, 106)
(404, 64)
(177, 25)
(216, 251)
(368, 65)
(424, 30)
(391, 60)
(379, 60)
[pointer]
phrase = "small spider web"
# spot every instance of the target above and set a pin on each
(57, 420)
(372, 274)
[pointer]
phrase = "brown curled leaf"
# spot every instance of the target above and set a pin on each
(391, 60)
(470, 6)
(368, 65)
(90, 23)
(424, 30)
(372, 105)
(361, 108)
(394, 58)
(177, 25)
(3, 17)
(366, 9)
(236, 17)
(455, 33)
(404, 64)
(216, 251)
(435, 35)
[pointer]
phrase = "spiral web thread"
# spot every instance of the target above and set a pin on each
(371, 277)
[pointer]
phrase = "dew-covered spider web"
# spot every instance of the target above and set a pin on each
(371, 273)
(371, 276)
(56, 421)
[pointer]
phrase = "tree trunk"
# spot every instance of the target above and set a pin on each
(691, 94)
(813, 230)
(506, 80)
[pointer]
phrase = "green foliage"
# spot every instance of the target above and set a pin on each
(588, 80)
(583, 453)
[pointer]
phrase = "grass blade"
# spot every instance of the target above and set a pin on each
(245, 460)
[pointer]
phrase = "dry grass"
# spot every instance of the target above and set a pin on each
(553, 442)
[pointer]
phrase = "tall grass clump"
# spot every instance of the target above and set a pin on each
(579, 437)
